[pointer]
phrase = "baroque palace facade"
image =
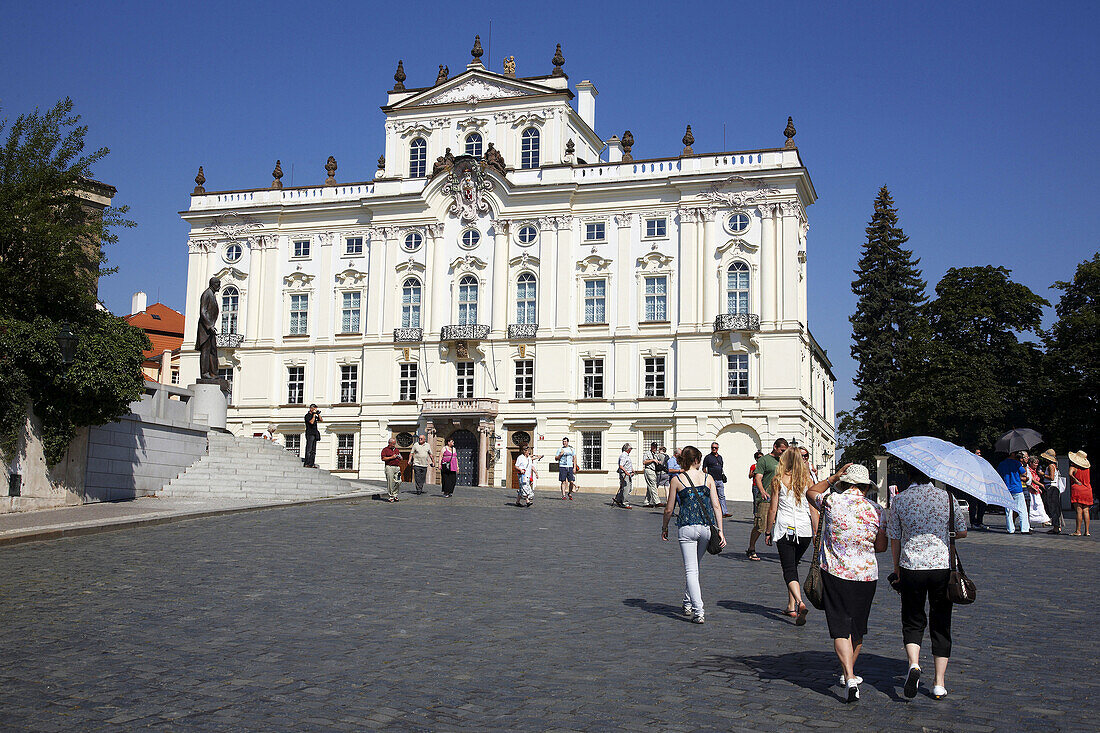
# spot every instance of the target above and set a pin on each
(510, 277)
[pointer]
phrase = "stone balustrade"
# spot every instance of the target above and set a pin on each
(481, 406)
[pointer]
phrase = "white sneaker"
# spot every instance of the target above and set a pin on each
(688, 609)
(939, 692)
(844, 682)
(853, 690)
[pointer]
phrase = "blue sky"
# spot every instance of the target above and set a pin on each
(980, 117)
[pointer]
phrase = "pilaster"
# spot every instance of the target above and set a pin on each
(499, 324)
(768, 274)
(624, 318)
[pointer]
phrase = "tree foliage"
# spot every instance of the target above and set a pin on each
(977, 377)
(1073, 363)
(51, 256)
(887, 327)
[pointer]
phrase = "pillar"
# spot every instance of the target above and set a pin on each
(499, 323)
(624, 268)
(789, 267)
(437, 289)
(430, 433)
(710, 271)
(483, 449)
(767, 267)
(564, 290)
(688, 257)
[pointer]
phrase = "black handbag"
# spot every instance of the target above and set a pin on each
(714, 545)
(813, 589)
(960, 588)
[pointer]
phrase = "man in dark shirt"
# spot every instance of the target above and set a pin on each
(714, 464)
(762, 477)
(313, 434)
(391, 457)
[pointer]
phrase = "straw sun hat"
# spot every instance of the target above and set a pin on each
(1049, 455)
(856, 474)
(1079, 459)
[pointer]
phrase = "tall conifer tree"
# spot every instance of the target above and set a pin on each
(887, 327)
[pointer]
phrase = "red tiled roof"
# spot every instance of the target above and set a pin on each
(163, 325)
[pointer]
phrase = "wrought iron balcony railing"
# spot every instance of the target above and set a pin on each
(408, 335)
(230, 340)
(469, 332)
(522, 330)
(737, 322)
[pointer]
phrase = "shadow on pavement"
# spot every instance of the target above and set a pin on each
(814, 670)
(746, 607)
(660, 609)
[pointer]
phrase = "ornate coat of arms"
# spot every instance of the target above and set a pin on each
(467, 183)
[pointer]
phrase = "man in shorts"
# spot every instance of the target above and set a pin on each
(761, 496)
(566, 474)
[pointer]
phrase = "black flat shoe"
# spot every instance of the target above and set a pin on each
(911, 680)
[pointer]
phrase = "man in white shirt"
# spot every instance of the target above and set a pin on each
(525, 496)
(626, 478)
(566, 474)
(650, 465)
(421, 458)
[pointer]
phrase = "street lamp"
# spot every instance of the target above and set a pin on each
(66, 341)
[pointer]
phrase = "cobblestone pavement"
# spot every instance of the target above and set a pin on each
(468, 613)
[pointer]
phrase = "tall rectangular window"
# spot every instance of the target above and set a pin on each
(529, 148)
(593, 378)
(465, 371)
(296, 385)
(299, 314)
(595, 301)
(410, 303)
(294, 443)
(349, 383)
(226, 373)
(353, 246)
(738, 374)
(467, 301)
(349, 312)
(655, 376)
(592, 450)
(656, 228)
(525, 379)
(595, 231)
(301, 248)
(175, 375)
(656, 298)
(345, 451)
(406, 386)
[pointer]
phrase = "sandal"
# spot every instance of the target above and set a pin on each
(751, 554)
(800, 619)
(792, 614)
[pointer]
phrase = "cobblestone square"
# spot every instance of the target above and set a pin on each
(471, 614)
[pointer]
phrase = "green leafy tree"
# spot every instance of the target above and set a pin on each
(886, 330)
(51, 257)
(979, 378)
(1072, 363)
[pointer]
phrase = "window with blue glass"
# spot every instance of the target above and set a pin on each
(418, 158)
(473, 144)
(525, 299)
(529, 148)
(737, 289)
(467, 300)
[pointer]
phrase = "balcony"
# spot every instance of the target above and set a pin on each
(521, 331)
(408, 335)
(230, 340)
(469, 332)
(479, 406)
(737, 322)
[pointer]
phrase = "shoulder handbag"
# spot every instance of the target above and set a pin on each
(813, 589)
(960, 588)
(714, 545)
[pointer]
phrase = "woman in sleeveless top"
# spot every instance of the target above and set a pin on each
(1080, 490)
(697, 496)
(791, 524)
(448, 468)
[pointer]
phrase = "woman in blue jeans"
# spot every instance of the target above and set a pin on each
(697, 496)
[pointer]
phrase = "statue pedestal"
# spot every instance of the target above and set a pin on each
(209, 406)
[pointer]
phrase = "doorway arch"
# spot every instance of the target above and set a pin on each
(466, 445)
(737, 443)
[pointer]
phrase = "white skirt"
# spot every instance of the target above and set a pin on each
(1036, 513)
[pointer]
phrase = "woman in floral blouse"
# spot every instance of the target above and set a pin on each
(918, 531)
(854, 531)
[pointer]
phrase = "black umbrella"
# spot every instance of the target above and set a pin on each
(1018, 439)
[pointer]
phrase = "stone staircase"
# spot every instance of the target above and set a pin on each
(253, 468)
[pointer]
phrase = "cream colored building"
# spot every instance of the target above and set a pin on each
(509, 275)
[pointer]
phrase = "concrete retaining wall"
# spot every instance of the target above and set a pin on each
(136, 458)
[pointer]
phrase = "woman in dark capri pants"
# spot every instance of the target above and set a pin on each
(918, 531)
(791, 524)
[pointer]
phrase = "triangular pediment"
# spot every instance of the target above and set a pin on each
(475, 86)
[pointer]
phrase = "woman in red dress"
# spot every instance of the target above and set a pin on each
(1080, 489)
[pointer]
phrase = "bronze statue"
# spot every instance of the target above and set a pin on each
(206, 341)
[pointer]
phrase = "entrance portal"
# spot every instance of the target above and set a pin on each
(467, 448)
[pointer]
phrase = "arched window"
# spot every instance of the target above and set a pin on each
(410, 303)
(737, 288)
(473, 144)
(467, 300)
(525, 299)
(231, 299)
(418, 158)
(529, 148)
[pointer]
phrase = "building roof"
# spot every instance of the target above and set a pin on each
(163, 325)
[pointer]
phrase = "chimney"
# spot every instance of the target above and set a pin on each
(614, 150)
(138, 303)
(586, 102)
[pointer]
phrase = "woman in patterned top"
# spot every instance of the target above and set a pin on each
(699, 509)
(918, 531)
(854, 531)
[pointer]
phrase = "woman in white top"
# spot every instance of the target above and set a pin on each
(791, 523)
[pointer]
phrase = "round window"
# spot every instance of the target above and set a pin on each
(470, 238)
(413, 241)
(527, 234)
(521, 438)
(233, 252)
(404, 440)
(738, 223)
